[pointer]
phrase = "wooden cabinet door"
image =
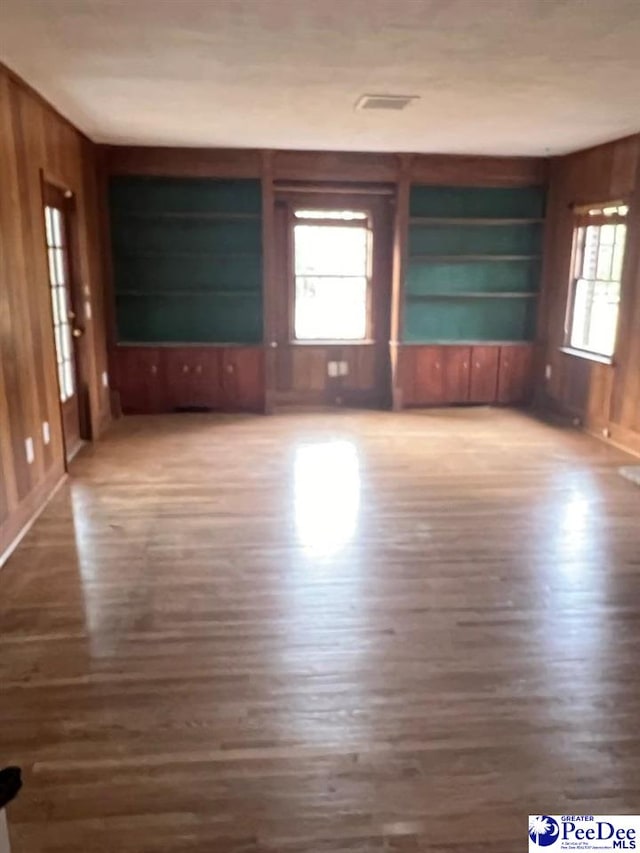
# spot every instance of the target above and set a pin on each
(456, 374)
(204, 380)
(515, 374)
(177, 375)
(406, 381)
(140, 380)
(483, 385)
(193, 378)
(429, 375)
(243, 380)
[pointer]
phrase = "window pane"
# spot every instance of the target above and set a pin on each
(618, 253)
(52, 267)
(605, 257)
(595, 316)
(581, 305)
(331, 308)
(55, 306)
(331, 250)
(607, 235)
(604, 318)
(65, 329)
(57, 226)
(68, 379)
(61, 382)
(48, 224)
(345, 215)
(590, 259)
(58, 340)
(62, 303)
(60, 277)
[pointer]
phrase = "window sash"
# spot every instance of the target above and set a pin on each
(597, 268)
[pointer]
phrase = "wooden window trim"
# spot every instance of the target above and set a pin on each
(581, 220)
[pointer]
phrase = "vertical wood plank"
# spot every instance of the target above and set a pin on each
(400, 238)
(269, 248)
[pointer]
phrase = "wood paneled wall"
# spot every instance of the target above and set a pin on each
(604, 397)
(292, 373)
(36, 144)
(346, 167)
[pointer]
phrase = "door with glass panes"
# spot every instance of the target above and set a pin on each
(66, 329)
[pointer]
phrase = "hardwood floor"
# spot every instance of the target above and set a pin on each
(327, 633)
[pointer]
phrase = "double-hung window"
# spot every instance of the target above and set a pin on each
(594, 299)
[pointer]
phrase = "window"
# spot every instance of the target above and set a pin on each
(54, 225)
(599, 241)
(332, 262)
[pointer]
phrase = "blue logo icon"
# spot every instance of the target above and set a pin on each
(543, 830)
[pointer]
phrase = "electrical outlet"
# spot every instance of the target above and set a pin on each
(105, 379)
(46, 432)
(547, 372)
(344, 368)
(28, 448)
(333, 368)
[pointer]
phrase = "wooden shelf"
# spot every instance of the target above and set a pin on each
(199, 292)
(420, 297)
(195, 344)
(465, 259)
(182, 254)
(461, 220)
(470, 342)
(177, 214)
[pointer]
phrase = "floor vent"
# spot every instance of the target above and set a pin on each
(385, 102)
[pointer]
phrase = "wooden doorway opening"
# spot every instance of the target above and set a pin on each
(59, 217)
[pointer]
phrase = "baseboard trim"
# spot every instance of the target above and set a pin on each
(610, 433)
(27, 514)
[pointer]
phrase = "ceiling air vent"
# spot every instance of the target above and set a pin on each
(385, 102)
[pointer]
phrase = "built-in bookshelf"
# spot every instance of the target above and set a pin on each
(187, 259)
(473, 264)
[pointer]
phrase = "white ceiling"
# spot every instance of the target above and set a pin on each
(494, 76)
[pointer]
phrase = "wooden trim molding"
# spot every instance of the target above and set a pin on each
(269, 298)
(184, 162)
(588, 356)
(320, 169)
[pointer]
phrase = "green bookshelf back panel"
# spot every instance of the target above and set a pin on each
(186, 195)
(151, 274)
(183, 236)
(187, 257)
(458, 320)
(424, 277)
(476, 239)
(477, 202)
(188, 317)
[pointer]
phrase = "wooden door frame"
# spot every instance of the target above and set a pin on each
(377, 201)
(51, 184)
